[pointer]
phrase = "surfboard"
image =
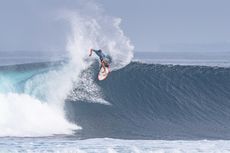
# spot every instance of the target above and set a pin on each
(102, 75)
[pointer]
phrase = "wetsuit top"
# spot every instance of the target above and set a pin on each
(100, 54)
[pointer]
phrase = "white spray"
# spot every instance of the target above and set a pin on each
(25, 114)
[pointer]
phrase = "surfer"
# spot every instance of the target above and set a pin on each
(102, 57)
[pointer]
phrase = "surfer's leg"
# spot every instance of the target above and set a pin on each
(103, 65)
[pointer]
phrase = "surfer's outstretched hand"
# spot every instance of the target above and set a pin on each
(90, 51)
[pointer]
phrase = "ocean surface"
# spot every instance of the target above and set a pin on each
(162, 103)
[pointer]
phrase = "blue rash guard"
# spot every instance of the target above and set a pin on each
(100, 54)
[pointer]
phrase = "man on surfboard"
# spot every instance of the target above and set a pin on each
(102, 57)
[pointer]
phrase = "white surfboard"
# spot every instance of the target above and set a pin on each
(102, 75)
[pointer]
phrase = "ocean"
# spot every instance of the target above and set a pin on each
(162, 104)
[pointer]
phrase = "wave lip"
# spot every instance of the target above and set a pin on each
(220, 59)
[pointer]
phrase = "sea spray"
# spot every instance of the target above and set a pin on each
(33, 105)
(98, 31)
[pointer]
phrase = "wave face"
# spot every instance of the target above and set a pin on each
(151, 101)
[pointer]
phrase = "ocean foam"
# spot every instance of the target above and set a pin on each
(112, 146)
(23, 115)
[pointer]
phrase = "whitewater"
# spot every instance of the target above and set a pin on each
(58, 105)
(35, 98)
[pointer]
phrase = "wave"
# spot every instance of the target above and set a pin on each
(152, 101)
(139, 101)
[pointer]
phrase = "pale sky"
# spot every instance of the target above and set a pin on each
(155, 23)
(150, 24)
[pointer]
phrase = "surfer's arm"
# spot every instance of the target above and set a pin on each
(90, 52)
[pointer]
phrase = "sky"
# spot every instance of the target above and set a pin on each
(152, 25)
(163, 24)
